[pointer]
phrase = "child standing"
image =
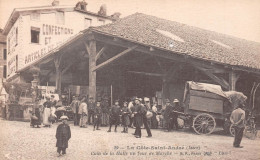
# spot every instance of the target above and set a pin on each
(63, 135)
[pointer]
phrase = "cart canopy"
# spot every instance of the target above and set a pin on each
(213, 88)
(236, 98)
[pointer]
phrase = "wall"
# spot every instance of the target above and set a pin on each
(51, 36)
(2, 61)
(14, 47)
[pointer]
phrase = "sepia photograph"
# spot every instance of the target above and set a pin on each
(129, 79)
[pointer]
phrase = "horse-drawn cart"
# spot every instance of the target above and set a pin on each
(207, 106)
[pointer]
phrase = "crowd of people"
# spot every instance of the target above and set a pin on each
(101, 113)
(134, 113)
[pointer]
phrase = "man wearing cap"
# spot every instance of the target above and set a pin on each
(131, 107)
(147, 122)
(75, 108)
(63, 135)
(97, 116)
(168, 115)
(176, 108)
(138, 118)
(105, 111)
(114, 116)
(91, 108)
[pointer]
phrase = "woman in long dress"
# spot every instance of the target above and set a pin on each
(47, 112)
(83, 111)
(126, 112)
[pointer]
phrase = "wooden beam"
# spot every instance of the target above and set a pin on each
(114, 58)
(101, 51)
(233, 77)
(171, 73)
(220, 81)
(66, 68)
(57, 62)
(163, 53)
(91, 48)
(147, 74)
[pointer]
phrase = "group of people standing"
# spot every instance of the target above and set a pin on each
(44, 114)
(133, 114)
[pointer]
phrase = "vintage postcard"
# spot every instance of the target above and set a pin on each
(129, 79)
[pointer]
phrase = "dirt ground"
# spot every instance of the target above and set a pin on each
(19, 141)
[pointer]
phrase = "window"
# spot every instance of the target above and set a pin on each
(5, 56)
(35, 35)
(16, 64)
(60, 18)
(101, 22)
(35, 16)
(4, 72)
(16, 36)
(87, 23)
(8, 45)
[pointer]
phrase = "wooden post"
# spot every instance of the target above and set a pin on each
(233, 77)
(165, 89)
(57, 61)
(91, 48)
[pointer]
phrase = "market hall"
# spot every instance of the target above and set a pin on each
(141, 55)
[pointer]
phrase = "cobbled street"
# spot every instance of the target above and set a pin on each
(19, 141)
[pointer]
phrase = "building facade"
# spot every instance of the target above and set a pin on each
(32, 33)
(3, 56)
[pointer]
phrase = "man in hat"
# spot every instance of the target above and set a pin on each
(91, 108)
(237, 118)
(105, 111)
(97, 116)
(131, 107)
(176, 108)
(168, 115)
(63, 135)
(147, 122)
(75, 108)
(138, 117)
(114, 116)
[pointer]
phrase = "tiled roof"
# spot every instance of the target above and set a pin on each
(186, 40)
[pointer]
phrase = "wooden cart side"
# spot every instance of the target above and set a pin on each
(198, 102)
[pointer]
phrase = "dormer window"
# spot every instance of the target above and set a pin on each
(60, 19)
(35, 16)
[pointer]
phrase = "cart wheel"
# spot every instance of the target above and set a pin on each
(232, 130)
(204, 124)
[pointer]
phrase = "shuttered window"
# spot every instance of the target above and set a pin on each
(5, 56)
(87, 23)
(35, 35)
(60, 19)
(4, 71)
(35, 16)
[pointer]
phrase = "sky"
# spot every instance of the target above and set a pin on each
(239, 18)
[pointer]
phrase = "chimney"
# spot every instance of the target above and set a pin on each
(55, 3)
(103, 10)
(82, 5)
(116, 15)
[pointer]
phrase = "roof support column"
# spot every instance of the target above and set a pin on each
(233, 77)
(91, 49)
(57, 61)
